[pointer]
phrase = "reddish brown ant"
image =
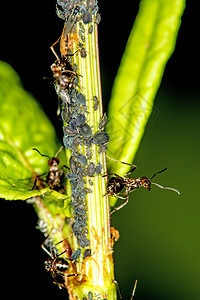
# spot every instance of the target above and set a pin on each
(63, 71)
(55, 175)
(56, 265)
(117, 184)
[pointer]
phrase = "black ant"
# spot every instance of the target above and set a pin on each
(117, 184)
(55, 175)
(56, 265)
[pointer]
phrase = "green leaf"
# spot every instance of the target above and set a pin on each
(23, 126)
(151, 43)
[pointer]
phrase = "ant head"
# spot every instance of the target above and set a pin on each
(54, 161)
(48, 265)
(146, 183)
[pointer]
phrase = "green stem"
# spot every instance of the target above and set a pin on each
(99, 269)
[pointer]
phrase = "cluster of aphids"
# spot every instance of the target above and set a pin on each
(74, 112)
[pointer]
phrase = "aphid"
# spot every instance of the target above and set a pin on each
(117, 183)
(87, 18)
(90, 296)
(80, 220)
(90, 182)
(82, 39)
(80, 119)
(68, 141)
(87, 253)
(102, 148)
(100, 138)
(85, 130)
(72, 176)
(83, 241)
(96, 103)
(98, 168)
(91, 169)
(83, 52)
(73, 124)
(79, 211)
(76, 254)
(90, 30)
(81, 98)
(55, 176)
(89, 152)
(103, 122)
(98, 18)
(69, 132)
(81, 158)
(91, 4)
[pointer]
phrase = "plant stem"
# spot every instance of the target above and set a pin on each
(98, 269)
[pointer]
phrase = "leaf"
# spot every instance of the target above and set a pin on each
(23, 126)
(150, 45)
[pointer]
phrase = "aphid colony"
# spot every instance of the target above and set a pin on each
(77, 132)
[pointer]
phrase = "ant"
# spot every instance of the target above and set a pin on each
(57, 265)
(55, 175)
(63, 71)
(117, 184)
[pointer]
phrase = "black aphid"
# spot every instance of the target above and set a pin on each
(91, 169)
(76, 254)
(96, 103)
(100, 138)
(83, 52)
(91, 4)
(90, 296)
(86, 130)
(79, 211)
(90, 30)
(80, 220)
(73, 124)
(72, 176)
(87, 253)
(98, 169)
(80, 119)
(81, 98)
(103, 122)
(81, 158)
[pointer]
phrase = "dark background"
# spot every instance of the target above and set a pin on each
(159, 243)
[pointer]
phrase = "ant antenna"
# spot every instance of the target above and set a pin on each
(166, 188)
(41, 153)
(158, 173)
(163, 187)
(134, 288)
(59, 150)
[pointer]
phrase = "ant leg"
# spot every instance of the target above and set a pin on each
(59, 150)
(122, 162)
(117, 285)
(54, 52)
(108, 174)
(46, 250)
(34, 185)
(121, 206)
(129, 172)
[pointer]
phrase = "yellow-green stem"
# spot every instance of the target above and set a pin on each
(98, 268)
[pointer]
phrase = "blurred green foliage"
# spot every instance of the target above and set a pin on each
(151, 42)
(159, 243)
